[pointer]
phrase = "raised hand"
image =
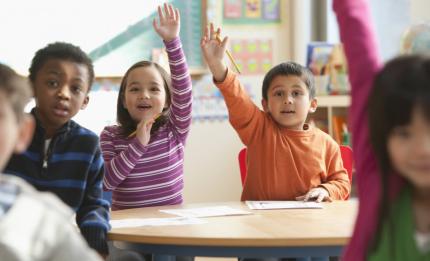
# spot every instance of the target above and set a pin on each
(214, 51)
(169, 22)
(318, 194)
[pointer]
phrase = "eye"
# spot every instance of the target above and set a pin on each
(401, 132)
(53, 83)
(155, 89)
(76, 88)
(133, 89)
(296, 93)
(278, 93)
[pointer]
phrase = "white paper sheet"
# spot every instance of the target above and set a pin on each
(282, 204)
(140, 222)
(206, 212)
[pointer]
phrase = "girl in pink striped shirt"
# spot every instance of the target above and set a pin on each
(144, 153)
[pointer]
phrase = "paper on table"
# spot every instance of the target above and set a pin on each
(206, 212)
(282, 204)
(140, 222)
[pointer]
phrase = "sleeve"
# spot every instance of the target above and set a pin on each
(337, 182)
(118, 166)
(360, 46)
(363, 63)
(71, 246)
(181, 107)
(245, 117)
(92, 217)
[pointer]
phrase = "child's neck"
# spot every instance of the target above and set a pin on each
(421, 209)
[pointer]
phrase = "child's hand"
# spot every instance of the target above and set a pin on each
(213, 52)
(169, 25)
(143, 132)
(318, 194)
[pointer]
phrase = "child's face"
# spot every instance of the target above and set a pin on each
(144, 95)
(14, 135)
(61, 90)
(409, 150)
(288, 101)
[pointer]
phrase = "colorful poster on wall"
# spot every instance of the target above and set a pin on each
(271, 10)
(253, 56)
(251, 11)
(232, 8)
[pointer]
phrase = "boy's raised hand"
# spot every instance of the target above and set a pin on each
(213, 52)
(169, 22)
(318, 194)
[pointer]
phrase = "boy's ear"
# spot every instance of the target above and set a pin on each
(25, 133)
(314, 105)
(264, 104)
(85, 103)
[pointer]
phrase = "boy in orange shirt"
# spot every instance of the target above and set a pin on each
(287, 159)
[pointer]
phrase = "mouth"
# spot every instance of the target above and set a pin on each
(144, 107)
(61, 110)
(288, 112)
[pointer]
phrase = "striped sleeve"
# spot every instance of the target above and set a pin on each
(92, 216)
(180, 115)
(118, 166)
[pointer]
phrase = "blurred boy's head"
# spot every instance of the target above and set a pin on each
(16, 128)
(61, 75)
(289, 95)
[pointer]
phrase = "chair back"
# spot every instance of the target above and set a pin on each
(242, 164)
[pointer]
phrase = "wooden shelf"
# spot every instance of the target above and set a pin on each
(334, 101)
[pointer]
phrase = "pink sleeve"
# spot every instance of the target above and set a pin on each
(357, 35)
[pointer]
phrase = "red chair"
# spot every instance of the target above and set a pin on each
(345, 152)
(242, 164)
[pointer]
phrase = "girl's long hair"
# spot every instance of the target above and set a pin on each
(401, 87)
(128, 125)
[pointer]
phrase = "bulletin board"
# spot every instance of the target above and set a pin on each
(251, 11)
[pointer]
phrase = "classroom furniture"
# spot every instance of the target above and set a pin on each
(330, 108)
(265, 233)
(345, 151)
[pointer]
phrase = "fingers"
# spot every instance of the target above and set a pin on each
(302, 197)
(160, 14)
(166, 9)
(177, 15)
(320, 197)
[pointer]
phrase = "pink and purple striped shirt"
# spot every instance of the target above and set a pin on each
(151, 175)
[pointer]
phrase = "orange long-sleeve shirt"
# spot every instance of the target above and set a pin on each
(281, 163)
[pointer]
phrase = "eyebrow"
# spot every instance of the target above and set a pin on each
(57, 73)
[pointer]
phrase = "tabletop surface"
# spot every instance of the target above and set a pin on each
(330, 226)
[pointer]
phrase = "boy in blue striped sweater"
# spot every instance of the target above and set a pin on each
(63, 157)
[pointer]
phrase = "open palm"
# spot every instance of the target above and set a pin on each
(169, 22)
(213, 49)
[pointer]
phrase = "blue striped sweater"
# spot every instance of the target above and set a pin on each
(73, 171)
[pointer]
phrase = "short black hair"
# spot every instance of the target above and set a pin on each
(16, 89)
(61, 51)
(289, 68)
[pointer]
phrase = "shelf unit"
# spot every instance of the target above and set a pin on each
(329, 106)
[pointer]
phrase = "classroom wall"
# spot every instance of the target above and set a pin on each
(211, 165)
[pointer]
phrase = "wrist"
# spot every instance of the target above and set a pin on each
(219, 71)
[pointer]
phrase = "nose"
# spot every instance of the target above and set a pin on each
(145, 94)
(288, 99)
(64, 92)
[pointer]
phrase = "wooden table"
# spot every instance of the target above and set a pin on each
(266, 233)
